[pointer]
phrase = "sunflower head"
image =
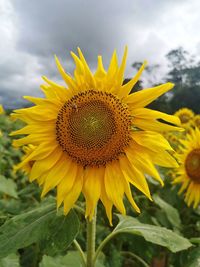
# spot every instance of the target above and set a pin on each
(188, 173)
(196, 121)
(92, 136)
(185, 115)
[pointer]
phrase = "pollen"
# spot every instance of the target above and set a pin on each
(192, 165)
(93, 128)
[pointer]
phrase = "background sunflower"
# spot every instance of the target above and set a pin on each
(188, 174)
(186, 116)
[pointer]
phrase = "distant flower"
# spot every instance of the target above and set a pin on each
(1, 112)
(1, 109)
(196, 121)
(93, 137)
(188, 173)
(185, 115)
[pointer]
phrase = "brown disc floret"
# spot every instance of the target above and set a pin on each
(93, 128)
(192, 165)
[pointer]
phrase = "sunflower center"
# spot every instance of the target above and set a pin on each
(93, 128)
(184, 118)
(193, 165)
(197, 122)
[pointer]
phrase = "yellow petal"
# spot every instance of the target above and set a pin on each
(196, 196)
(130, 197)
(154, 125)
(67, 183)
(39, 153)
(52, 84)
(89, 75)
(79, 65)
(149, 114)
(146, 96)
(142, 162)
(92, 188)
(100, 72)
(67, 78)
(45, 103)
(57, 174)
(163, 158)
(151, 140)
(114, 186)
(106, 202)
(45, 164)
(134, 176)
(41, 179)
(36, 128)
(126, 88)
(74, 193)
(34, 139)
(37, 113)
(113, 67)
(52, 93)
(122, 67)
(184, 186)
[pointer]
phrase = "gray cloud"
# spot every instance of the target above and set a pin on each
(33, 31)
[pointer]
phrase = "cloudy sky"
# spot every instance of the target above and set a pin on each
(33, 31)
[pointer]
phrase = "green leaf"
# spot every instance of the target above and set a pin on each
(63, 230)
(154, 234)
(171, 213)
(72, 259)
(10, 260)
(41, 223)
(193, 258)
(195, 240)
(8, 187)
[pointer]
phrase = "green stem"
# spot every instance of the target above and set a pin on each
(91, 236)
(79, 209)
(107, 239)
(103, 243)
(78, 247)
(133, 255)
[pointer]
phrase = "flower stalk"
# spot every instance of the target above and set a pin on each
(91, 238)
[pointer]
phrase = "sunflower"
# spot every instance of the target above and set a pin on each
(1, 112)
(92, 136)
(188, 173)
(1, 109)
(185, 115)
(196, 121)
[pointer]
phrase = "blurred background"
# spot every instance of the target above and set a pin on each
(165, 33)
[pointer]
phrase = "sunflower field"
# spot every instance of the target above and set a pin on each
(97, 174)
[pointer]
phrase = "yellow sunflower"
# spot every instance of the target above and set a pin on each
(1, 112)
(1, 109)
(92, 136)
(185, 115)
(188, 173)
(196, 120)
